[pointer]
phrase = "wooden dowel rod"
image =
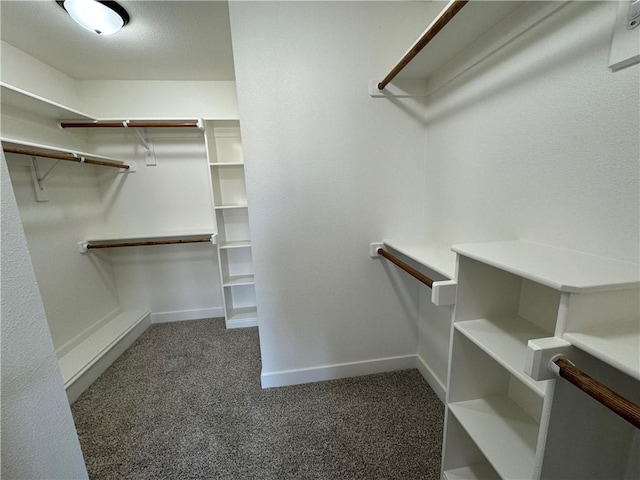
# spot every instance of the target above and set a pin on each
(438, 24)
(187, 124)
(607, 397)
(67, 157)
(407, 268)
(91, 246)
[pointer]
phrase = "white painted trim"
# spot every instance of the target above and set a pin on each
(182, 315)
(333, 372)
(92, 367)
(86, 333)
(246, 323)
(432, 379)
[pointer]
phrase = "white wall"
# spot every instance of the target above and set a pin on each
(540, 142)
(38, 435)
(329, 170)
(78, 291)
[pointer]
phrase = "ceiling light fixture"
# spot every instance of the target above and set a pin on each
(97, 16)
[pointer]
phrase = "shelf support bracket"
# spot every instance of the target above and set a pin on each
(38, 180)
(150, 154)
(444, 292)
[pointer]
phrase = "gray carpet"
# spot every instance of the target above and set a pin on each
(184, 401)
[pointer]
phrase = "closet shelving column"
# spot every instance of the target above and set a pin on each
(511, 292)
(224, 150)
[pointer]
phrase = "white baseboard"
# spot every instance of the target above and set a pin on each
(182, 315)
(85, 363)
(434, 382)
(333, 372)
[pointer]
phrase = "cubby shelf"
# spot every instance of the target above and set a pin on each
(230, 207)
(236, 244)
(480, 471)
(224, 152)
(503, 432)
(505, 340)
(238, 280)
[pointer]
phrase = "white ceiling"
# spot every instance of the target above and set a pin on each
(165, 40)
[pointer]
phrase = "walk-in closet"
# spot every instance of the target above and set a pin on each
(446, 187)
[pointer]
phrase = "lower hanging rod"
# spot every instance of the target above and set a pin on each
(407, 268)
(68, 157)
(91, 246)
(596, 390)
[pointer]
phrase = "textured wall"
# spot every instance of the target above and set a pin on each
(38, 434)
(329, 170)
(540, 141)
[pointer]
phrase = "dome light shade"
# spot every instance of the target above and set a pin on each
(101, 17)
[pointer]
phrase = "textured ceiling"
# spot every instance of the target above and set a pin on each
(165, 40)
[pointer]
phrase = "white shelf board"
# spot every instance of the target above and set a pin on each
(558, 268)
(230, 207)
(226, 164)
(238, 280)
(479, 471)
(505, 340)
(41, 146)
(236, 244)
(16, 97)
(617, 345)
(463, 30)
(133, 237)
(436, 256)
(503, 432)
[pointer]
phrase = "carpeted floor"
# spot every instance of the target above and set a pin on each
(185, 402)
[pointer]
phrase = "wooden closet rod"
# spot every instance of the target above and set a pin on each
(407, 268)
(91, 246)
(127, 124)
(438, 24)
(607, 397)
(67, 157)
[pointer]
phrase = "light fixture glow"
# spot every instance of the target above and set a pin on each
(101, 17)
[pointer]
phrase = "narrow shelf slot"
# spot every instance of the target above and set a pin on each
(230, 207)
(505, 340)
(226, 164)
(242, 313)
(503, 432)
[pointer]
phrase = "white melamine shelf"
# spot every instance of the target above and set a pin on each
(505, 340)
(50, 148)
(230, 207)
(560, 269)
(503, 432)
(237, 244)
(30, 102)
(126, 237)
(480, 471)
(617, 345)
(436, 256)
(226, 164)
(238, 280)
(463, 30)
(243, 313)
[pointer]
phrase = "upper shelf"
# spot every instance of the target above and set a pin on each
(436, 256)
(30, 102)
(561, 269)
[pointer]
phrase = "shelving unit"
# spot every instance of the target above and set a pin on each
(511, 292)
(224, 150)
